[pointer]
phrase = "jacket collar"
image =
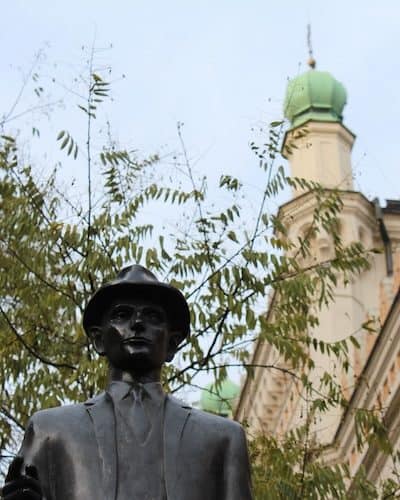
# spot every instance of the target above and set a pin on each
(176, 416)
(119, 390)
(101, 411)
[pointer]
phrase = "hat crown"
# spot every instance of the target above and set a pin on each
(137, 281)
(136, 274)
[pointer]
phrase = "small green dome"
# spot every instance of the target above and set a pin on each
(220, 399)
(314, 95)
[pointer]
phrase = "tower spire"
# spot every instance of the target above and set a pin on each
(311, 61)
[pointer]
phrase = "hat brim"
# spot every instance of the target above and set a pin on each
(170, 298)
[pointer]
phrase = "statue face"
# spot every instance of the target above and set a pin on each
(135, 334)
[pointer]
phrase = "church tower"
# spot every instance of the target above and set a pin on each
(318, 148)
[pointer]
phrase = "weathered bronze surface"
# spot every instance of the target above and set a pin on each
(132, 442)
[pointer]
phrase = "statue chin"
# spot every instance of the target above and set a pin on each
(137, 349)
(134, 358)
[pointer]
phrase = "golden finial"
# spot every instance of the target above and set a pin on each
(311, 61)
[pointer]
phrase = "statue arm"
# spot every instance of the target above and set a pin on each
(237, 481)
(27, 474)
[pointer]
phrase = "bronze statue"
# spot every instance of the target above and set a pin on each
(133, 441)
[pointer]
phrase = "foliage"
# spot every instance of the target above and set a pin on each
(292, 468)
(288, 469)
(57, 252)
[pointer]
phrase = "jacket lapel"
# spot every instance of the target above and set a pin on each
(101, 411)
(176, 415)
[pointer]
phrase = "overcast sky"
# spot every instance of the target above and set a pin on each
(219, 66)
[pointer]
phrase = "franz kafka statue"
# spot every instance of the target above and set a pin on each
(133, 441)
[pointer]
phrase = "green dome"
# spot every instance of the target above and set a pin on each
(219, 399)
(314, 95)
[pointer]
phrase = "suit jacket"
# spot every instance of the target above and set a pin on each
(74, 450)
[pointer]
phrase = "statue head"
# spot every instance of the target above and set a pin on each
(136, 321)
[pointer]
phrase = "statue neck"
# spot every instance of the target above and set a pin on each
(131, 377)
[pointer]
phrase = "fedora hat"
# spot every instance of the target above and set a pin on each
(137, 281)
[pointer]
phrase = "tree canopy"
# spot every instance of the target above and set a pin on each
(59, 246)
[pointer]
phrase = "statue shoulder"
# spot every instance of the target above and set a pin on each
(57, 416)
(206, 418)
(222, 424)
(178, 402)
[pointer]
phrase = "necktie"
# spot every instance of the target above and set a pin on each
(140, 419)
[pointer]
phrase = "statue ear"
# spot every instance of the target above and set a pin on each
(173, 342)
(96, 336)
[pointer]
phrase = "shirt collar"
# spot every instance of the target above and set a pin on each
(120, 389)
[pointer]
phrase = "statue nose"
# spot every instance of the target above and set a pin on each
(136, 323)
